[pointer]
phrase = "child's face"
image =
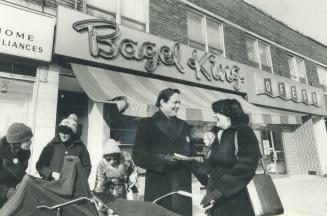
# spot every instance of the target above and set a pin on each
(112, 159)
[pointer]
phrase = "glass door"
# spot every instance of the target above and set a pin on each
(273, 151)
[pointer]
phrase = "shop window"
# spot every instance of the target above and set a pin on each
(131, 13)
(297, 69)
(18, 67)
(204, 33)
(258, 53)
(322, 75)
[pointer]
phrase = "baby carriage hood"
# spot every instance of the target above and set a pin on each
(33, 192)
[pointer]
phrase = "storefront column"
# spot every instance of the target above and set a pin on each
(96, 137)
(320, 134)
(45, 95)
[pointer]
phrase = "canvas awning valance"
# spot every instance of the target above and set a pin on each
(107, 86)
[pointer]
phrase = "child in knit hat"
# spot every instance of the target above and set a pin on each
(116, 172)
(14, 155)
(66, 142)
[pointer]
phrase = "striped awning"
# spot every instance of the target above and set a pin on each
(106, 86)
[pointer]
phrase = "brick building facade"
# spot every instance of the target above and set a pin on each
(262, 47)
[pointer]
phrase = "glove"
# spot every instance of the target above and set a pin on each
(134, 189)
(211, 195)
(171, 161)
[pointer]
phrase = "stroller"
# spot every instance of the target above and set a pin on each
(38, 197)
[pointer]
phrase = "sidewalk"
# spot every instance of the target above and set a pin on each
(303, 195)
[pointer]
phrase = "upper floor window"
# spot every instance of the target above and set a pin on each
(131, 13)
(297, 69)
(322, 75)
(258, 53)
(204, 33)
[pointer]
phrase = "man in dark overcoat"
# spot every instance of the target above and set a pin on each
(157, 139)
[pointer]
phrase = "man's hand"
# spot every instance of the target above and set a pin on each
(171, 160)
(55, 175)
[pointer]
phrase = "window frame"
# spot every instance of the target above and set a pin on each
(118, 17)
(324, 70)
(204, 28)
(296, 70)
(256, 53)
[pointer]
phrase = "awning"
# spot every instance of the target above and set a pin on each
(107, 86)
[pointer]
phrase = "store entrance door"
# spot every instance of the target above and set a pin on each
(273, 149)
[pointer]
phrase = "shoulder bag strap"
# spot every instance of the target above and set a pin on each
(236, 153)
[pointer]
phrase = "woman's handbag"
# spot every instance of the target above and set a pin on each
(262, 192)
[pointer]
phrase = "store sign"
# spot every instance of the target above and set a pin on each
(107, 47)
(26, 34)
(289, 93)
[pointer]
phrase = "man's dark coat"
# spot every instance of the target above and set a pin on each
(157, 137)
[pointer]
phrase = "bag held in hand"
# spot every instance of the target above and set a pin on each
(262, 192)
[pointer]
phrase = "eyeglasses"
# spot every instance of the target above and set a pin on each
(112, 158)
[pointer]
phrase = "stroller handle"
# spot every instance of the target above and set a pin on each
(66, 203)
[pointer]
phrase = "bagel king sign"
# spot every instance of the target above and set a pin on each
(119, 47)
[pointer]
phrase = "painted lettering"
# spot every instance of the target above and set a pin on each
(281, 90)
(268, 87)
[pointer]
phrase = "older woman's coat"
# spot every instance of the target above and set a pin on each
(231, 175)
(156, 137)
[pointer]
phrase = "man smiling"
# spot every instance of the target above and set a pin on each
(157, 139)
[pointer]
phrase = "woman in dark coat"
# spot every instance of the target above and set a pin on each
(229, 174)
(66, 142)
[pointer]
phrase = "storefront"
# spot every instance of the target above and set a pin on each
(118, 72)
(25, 54)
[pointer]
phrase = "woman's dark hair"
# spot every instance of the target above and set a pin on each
(232, 109)
(65, 130)
(165, 95)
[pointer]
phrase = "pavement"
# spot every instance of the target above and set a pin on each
(301, 195)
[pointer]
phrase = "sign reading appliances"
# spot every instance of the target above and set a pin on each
(25, 34)
(290, 92)
(104, 46)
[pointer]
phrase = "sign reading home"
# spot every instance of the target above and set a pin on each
(26, 34)
(82, 37)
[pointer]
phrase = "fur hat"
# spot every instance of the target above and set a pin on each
(18, 133)
(111, 147)
(68, 123)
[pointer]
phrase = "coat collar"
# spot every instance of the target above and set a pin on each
(161, 121)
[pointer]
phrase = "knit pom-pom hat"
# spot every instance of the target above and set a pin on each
(69, 123)
(111, 147)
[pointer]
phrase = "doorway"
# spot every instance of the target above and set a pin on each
(273, 151)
